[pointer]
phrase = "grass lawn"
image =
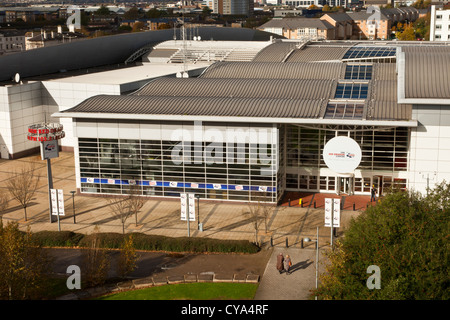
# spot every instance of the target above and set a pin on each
(190, 291)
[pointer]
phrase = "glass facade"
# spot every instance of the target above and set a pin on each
(384, 155)
(227, 171)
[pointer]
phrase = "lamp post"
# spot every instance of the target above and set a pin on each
(198, 211)
(317, 255)
(73, 204)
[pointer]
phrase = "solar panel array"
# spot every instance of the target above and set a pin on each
(358, 72)
(369, 52)
(345, 110)
(350, 90)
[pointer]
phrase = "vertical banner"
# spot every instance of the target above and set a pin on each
(60, 202)
(337, 213)
(191, 207)
(183, 200)
(57, 198)
(54, 198)
(335, 205)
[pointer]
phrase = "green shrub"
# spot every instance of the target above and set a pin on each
(57, 238)
(111, 240)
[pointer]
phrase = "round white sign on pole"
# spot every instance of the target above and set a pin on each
(342, 154)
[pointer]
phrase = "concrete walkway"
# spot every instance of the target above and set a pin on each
(293, 286)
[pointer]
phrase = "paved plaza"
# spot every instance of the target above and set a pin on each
(285, 225)
(221, 220)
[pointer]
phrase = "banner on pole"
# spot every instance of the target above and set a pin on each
(191, 211)
(335, 205)
(183, 202)
(57, 199)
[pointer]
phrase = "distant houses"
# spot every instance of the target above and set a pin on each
(352, 25)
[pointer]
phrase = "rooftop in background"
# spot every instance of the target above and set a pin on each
(104, 51)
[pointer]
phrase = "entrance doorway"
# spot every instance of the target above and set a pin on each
(345, 185)
(377, 183)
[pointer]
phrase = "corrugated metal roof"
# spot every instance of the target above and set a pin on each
(384, 90)
(240, 88)
(275, 52)
(314, 53)
(201, 106)
(388, 110)
(275, 70)
(427, 72)
(103, 51)
(385, 71)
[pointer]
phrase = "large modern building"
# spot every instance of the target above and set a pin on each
(249, 125)
(439, 24)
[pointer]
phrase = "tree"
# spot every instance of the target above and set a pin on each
(128, 257)
(407, 35)
(120, 209)
(138, 26)
(421, 4)
(406, 236)
(103, 11)
(3, 202)
(95, 262)
(326, 8)
(23, 264)
(206, 11)
(154, 13)
(135, 200)
(22, 185)
(164, 26)
(132, 14)
(254, 213)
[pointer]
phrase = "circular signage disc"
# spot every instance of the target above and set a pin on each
(342, 154)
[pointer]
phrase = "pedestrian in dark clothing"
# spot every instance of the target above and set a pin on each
(373, 194)
(287, 264)
(280, 262)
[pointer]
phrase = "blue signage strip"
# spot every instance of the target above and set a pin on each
(174, 184)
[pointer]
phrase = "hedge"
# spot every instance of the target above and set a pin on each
(110, 240)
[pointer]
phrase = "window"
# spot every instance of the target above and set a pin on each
(439, 16)
(369, 52)
(358, 72)
(351, 90)
(344, 111)
(438, 27)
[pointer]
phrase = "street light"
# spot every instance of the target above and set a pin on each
(198, 212)
(73, 205)
(317, 254)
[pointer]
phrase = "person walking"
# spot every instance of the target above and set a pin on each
(287, 264)
(280, 263)
(373, 194)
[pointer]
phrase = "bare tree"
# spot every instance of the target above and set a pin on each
(266, 211)
(255, 213)
(120, 209)
(3, 202)
(22, 185)
(136, 200)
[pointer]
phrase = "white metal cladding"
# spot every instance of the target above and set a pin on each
(196, 131)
